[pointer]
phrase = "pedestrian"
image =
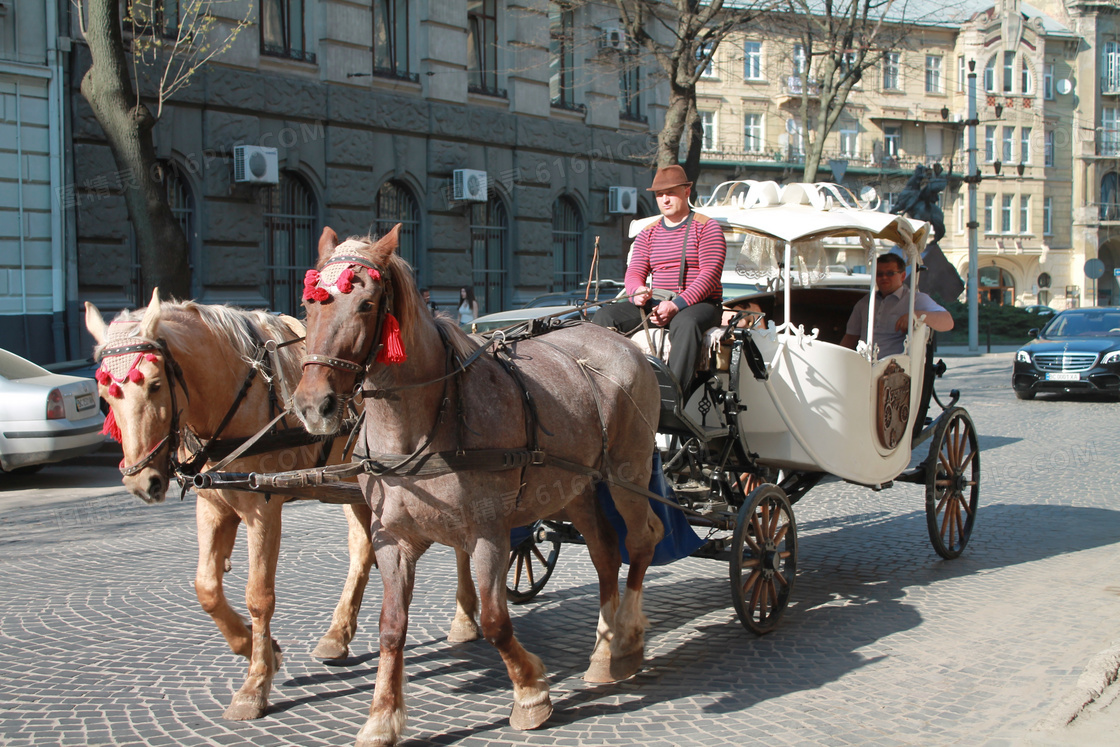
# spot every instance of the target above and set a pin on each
(468, 306)
(427, 296)
(682, 253)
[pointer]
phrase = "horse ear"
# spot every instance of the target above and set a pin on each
(392, 240)
(151, 318)
(327, 242)
(95, 323)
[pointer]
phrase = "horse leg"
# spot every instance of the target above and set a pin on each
(463, 626)
(217, 531)
(386, 720)
(602, 545)
(531, 703)
(335, 643)
(643, 531)
(263, 529)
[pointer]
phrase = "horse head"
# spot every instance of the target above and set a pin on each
(133, 379)
(362, 311)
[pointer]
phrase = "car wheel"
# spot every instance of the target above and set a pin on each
(1021, 394)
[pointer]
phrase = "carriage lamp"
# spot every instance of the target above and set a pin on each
(1024, 357)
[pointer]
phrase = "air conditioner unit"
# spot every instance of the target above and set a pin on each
(613, 38)
(622, 200)
(469, 185)
(255, 164)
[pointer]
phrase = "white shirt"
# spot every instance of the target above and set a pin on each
(888, 310)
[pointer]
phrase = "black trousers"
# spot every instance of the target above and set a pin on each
(686, 330)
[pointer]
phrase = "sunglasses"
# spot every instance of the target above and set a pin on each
(887, 274)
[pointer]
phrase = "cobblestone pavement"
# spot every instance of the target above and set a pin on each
(102, 641)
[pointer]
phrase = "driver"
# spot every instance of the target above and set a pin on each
(684, 252)
(892, 309)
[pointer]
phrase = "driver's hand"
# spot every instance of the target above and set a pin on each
(641, 295)
(663, 313)
(903, 324)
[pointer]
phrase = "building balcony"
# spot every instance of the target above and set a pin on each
(858, 163)
(1107, 212)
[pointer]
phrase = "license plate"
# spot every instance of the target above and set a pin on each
(85, 401)
(1063, 377)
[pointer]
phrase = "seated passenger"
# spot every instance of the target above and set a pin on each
(680, 235)
(892, 310)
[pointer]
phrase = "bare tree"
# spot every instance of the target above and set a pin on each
(841, 40)
(167, 44)
(694, 31)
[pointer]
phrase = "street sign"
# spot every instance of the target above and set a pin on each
(1094, 268)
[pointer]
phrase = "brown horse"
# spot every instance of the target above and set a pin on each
(180, 371)
(448, 422)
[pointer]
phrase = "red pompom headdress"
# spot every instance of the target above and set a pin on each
(336, 278)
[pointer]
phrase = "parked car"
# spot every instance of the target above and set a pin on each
(500, 319)
(45, 417)
(1041, 310)
(1077, 351)
(579, 296)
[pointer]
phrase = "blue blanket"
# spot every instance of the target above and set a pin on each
(680, 540)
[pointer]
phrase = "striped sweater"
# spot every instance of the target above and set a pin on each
(657, 251)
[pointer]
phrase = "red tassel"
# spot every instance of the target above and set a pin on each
(392, 346)
(135, 376)
(111, 429)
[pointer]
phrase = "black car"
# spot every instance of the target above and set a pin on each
(1077, 351)
(604, 290)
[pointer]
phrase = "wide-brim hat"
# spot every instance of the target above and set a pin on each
(669, 177)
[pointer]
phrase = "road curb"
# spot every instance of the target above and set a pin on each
(1101, 671)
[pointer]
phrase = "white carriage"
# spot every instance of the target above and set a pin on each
(785, 404)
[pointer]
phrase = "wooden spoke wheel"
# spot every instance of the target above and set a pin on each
(763, 559)
(531, 562)
(952, 483)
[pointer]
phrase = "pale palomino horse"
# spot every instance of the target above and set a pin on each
(178, 367)
(594, 404)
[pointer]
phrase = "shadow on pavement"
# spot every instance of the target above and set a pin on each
(843, 600)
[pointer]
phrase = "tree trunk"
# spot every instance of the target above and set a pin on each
(676, 119)
(128, 127)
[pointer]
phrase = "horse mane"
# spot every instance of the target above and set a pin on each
(408, 306)
(241, 327)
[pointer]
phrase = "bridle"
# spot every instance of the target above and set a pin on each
(314, 290)
(156, 348)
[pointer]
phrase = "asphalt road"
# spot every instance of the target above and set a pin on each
(102, 641)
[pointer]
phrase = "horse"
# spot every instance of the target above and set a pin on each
(461, 444)
(175, 369)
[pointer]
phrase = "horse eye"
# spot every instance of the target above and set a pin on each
(153, 386)
(365, 307)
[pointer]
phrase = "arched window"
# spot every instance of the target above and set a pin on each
(395, 204)
(567, 244)
(1110, 196)
(996, 286)
(489, 239)
(990, 74)
(177, 191)
(290, 233)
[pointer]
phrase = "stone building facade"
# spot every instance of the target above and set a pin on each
(372, 108)
(1048, 96)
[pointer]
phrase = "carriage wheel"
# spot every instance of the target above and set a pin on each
(763, 559)
(952, 483)
(531, 563)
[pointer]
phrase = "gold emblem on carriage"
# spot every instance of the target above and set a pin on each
(893, 412)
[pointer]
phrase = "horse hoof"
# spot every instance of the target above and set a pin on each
(330, 648)
(244, 710)
(525, 718)
(615, 669)
(463, 632)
